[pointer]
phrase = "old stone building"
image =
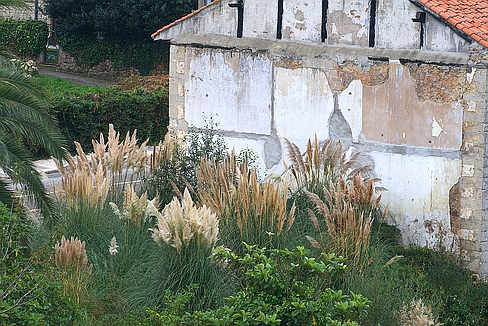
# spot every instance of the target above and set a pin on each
(404, 82)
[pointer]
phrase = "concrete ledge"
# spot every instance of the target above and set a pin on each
(305, 49)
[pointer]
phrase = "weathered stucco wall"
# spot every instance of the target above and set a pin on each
(302, 20)
(418, 114)
(410, 119)
(345, 22)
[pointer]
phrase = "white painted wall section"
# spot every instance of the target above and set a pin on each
(234, 88)
(440, 38)
(260, 19)
(350, 104)
(302, 20)
(304, 103)
(418, 194)
(395, 28)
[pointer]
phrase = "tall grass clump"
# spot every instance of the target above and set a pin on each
(74, 271)
(185, 236)
(106, 171)
(348, 211)
(337, 191)
(252, 211)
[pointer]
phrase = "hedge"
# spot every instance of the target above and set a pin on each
(82, 118)
(23, 37)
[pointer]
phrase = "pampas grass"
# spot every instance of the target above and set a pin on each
(338, 192)
(257, 209)
(106, 172)
(180, 224)
(73, 268)
(416, 313)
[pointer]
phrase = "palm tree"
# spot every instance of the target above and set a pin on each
(24, 117)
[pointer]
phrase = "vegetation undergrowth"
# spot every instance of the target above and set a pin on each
(214, 244)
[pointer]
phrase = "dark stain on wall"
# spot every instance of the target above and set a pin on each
(454, 208)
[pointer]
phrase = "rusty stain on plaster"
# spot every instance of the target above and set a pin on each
(289, 63)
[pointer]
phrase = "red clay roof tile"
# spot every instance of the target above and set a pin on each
(182, 19)
(469, 16)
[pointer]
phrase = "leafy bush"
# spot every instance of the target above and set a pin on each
(24, 37)
(279, 287)
(143, 55)
(83, 117)
(177, 171)
(127, 43)
(28, 293)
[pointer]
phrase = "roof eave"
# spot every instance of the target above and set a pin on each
(456, 30)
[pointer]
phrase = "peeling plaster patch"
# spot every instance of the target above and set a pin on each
(370, 75)
(273, 151)
(390, 110)
(288, 63)
(466, 213)
(469, 76)
(334, 29)
(350, 104)
(436, 128)
(362, 32)
(180, 67)
(436, 83)
(339, 127)
(346, 27)
(299, 15)
(347, 38)
(287, 32)
(471, 106)
(468, 170)
(466, 234)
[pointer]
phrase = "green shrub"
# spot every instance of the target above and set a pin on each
(83, 117)
(279, 287)
(28, 293)
(179, 169)
(143, 55)
(455, 295)
(24, 37)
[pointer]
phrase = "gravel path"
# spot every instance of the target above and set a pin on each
(74, 78)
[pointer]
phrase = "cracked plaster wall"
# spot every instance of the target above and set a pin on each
(405, 118)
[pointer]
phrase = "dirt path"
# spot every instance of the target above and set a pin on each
(74, 78)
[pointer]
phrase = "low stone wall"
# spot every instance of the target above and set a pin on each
(104, 69)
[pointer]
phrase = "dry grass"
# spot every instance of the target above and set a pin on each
(107, 171)
(348, 210)
(320, 163)
(340, 194)
(416, 313)
(74, 271)
(239, 197)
